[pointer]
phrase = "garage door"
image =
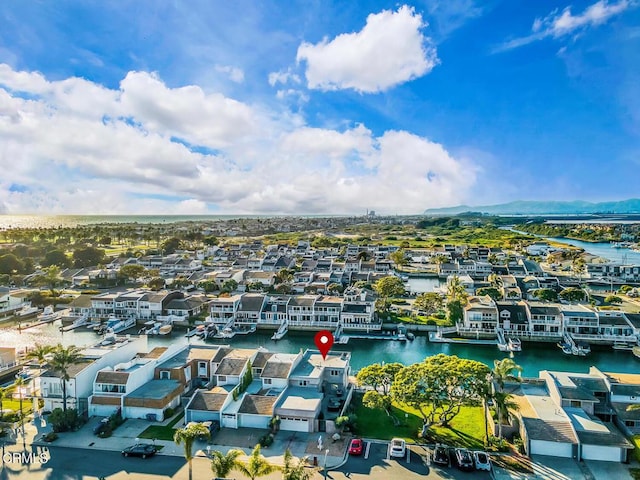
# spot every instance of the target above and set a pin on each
(597, 452)
(553, 449)
(253, 421)
(294, 425)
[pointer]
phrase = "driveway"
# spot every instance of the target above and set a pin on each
(375, 464)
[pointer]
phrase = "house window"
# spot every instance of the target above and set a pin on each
(267, 381)
(164, 375)
(334, 373)
(630, 423)
(222, 378)
(576, 403)
(303, 383)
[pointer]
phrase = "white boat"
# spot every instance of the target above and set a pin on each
(566, 348)
(514, 344)
(636, 352)
(117, 325)
(581, 349)
(623, 346)
(48, 314)
(402, 337)
(26, 311)
(165, 329)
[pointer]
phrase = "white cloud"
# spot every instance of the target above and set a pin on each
(74, 146)
(557, 25)
(388, 51)
(235, 74)
(283, 77)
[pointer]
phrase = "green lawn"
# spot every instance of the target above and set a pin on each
(636, 441)
(467, 428)
(419, 320)
(162, 432)
(14, 405)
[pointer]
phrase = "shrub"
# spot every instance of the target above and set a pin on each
(432, 322)
(50, 437)
(62, 421)
(10, 417)
(266, 440)
(496, 444)
(168, 412)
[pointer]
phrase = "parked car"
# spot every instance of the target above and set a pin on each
(397, 448)
(482, 461)
(334, 405)
(464, 459)
(441, 455)
(102, 426)
(143, 450)
(356, 447)
(213, 426)
(337, 390)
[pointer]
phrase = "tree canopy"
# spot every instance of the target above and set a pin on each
(87, 257)
(546, 294)
(429, 302)
(439, 386)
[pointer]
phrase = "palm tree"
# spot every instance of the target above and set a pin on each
(40, 353)
(257, 466)
(503, 402)
(495, 280)
(456, 291)
(295, 470)
(221, 464)
(503, 371)
(3, 395)
(61, 359)
(186, 436)
(486, 395)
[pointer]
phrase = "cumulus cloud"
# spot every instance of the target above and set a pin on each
(559, 24)
(74, 146)
(391, 49)
(235, 74)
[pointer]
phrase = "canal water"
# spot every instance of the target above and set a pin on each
(533, 358)
(604, 250)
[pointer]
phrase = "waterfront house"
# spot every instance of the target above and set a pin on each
(300, 310)
(222, 310)
(358, 311)
(513, 317)
(545, 318)
(250, 309)
(48, 385)
(480, 315)
(274, 312)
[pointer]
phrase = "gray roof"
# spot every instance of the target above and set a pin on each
(627, 390)
(591, 384)
(261, 359)
(156, 389)
(302, 301)
(634, 318)
(573, 393)
(518, 312)
(538, 429)
(208, 400)
(546, 310)
(276, 369)
(231, 366)
(116, 378)
(611, 439)
(251, 302)
(257, 404)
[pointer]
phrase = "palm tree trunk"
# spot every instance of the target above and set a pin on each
(190, 471)
(486, 422)
(499, 423)
(64, 396)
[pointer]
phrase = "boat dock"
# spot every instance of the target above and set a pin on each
(435, 338)
(346, 337)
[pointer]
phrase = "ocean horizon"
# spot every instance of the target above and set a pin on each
(8, 222)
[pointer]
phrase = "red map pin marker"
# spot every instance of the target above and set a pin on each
(324, 341)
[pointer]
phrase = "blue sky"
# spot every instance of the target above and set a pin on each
(315, 107)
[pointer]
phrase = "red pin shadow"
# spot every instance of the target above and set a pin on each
(324, 341)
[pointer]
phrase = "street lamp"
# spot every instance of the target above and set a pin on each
(326, 452)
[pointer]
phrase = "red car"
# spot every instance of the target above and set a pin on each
(355, 448)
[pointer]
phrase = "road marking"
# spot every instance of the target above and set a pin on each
(408, 456)
(366, 450)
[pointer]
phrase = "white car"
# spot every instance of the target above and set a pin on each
(397, 448)
(482, 461)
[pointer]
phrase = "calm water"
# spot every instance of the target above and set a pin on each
(533, 358)
(616, 255)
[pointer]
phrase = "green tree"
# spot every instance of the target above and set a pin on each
(187, 436)
(505, 370)
(295, 470)
(40, 353)
(399, 257)
(379, 378)
(573, 294)
(456, 291)
(10, 264)
(614, 299)
(429, 302)
(156, 283)
(390, 286)
(284, 275)
(495, 280)
(56, 257)
(170, 245)
(503, 403)
(131, 272)
(363, 256)
(578, 267)
(222, 465)
(257, 466)
(229, 286)
(493, 292)
(546, 295)
(87, 257)
(50, 279)
(62, 358)
(439, 386)
(3, 395)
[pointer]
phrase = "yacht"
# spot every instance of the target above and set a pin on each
(566, 348)
(636, 351)
(48, 314)
(623, 345)
(515, 345)
(581, 349)
(117, 325)
(27, 311)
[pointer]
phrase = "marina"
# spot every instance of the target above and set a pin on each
(533, 357)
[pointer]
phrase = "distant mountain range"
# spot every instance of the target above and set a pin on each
(544, 208)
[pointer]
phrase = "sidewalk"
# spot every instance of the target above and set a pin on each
(126, 435)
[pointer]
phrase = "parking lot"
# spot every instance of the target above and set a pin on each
(375, 463)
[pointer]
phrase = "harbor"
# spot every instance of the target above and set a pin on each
(533, 357)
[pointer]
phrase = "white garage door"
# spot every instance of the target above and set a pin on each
(553, 449)
(253, 421)
(597, 452)
(294, 425)
(102, 410)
